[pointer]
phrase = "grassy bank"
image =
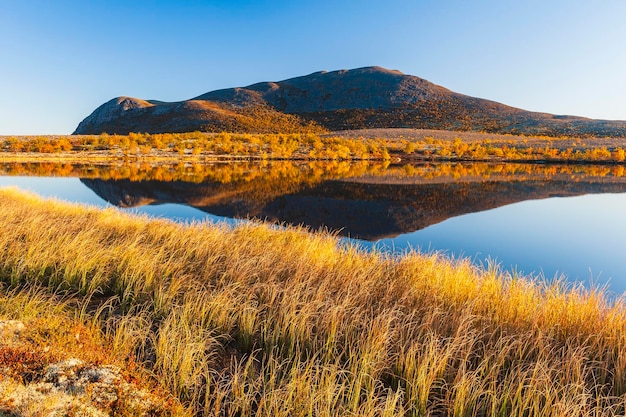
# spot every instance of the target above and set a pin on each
(260, 321)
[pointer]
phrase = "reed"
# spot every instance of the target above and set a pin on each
(266, 321)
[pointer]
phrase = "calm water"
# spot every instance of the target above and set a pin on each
(72, 189)
(582, 237)
(571, 224)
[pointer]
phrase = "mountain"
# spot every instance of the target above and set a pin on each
(370, 97)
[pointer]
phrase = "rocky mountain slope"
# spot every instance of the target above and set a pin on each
(370, 97)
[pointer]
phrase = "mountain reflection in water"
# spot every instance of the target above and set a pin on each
(361, 200)
(368, 211)
(581, 237)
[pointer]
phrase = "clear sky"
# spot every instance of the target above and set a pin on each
(61, 59)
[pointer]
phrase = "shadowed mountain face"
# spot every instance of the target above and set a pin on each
(370, 97)
(365, 210)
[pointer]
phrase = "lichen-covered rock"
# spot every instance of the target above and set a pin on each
(9, 329)
(103, 385)
(42, 399)
(73, 387)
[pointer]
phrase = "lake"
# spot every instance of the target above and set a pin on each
(548, 220)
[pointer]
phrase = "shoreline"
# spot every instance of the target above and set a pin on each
(376, 145)
(106, 157)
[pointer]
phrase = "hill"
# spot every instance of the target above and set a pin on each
(370, 97)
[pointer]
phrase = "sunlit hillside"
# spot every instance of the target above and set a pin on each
(369, 97)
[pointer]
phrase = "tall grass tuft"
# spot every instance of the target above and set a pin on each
(255, 320)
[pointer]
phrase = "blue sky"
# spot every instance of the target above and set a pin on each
(60, 59)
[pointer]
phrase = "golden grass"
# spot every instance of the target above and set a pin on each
(256, 320)
(41, 333)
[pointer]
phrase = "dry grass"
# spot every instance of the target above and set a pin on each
(55, 362)
(256, 320)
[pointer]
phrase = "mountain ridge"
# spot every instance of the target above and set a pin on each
(367, 97)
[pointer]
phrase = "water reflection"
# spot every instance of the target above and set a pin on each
(581, 237)
(404, 205)
(362, 200)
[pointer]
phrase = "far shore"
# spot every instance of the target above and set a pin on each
(392, 145)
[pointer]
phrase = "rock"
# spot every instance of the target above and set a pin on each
(9, 329)
(85, 389)
(103, 384)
